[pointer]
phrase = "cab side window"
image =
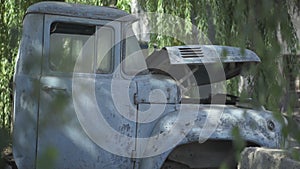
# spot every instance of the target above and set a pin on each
(74, 47)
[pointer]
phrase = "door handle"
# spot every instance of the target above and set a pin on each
(49, 88)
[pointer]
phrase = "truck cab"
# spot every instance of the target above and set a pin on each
(86, 97)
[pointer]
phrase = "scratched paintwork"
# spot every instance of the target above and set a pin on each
(252, 124)
(204, 61)
(44, 114)
(163, 83)
(26, 81)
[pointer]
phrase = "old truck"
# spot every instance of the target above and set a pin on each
(80, 103)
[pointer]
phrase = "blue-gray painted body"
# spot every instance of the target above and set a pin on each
(44, 115)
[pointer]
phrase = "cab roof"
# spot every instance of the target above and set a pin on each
(79, 10)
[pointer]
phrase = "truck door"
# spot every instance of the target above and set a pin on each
(75, 49)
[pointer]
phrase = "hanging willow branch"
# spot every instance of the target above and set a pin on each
(247, 24)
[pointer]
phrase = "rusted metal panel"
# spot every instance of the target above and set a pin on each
(60, 130)
(254, 126)
(26, 92)
(207, 63)
(157, 89)
(202, 55)
(30, 53)
(79, 10)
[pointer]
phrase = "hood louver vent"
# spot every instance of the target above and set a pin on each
(187, 52)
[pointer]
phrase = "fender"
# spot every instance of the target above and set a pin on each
(255, 126)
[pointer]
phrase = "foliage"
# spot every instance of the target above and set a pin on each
(47, 158)
(10, 20)
(264, 26)
(11, 15)
(246, 24)
(4, 133)
(243, 23)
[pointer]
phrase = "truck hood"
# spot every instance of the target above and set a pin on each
(202, 60)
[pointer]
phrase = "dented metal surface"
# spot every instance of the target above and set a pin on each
(159, 83)
(252, 124)
(44, 114)
(202, 60)
(79, 10)
(26, 93)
